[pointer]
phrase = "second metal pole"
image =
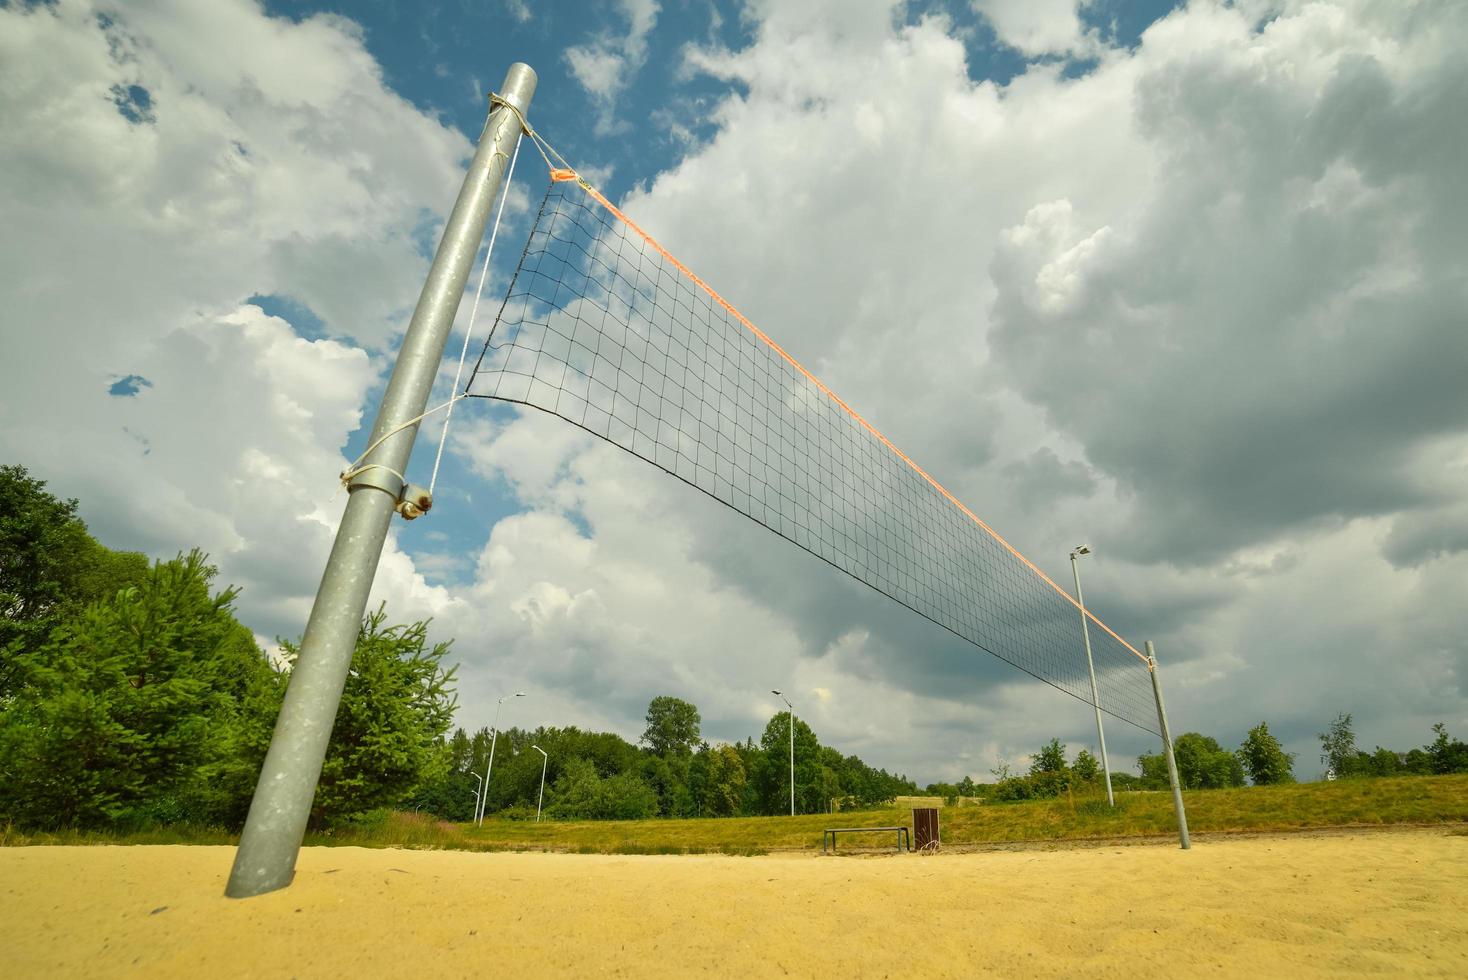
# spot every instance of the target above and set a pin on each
(493, 741)
(543, 763)
(1177, 791)
(1091, 666)
(792, 762)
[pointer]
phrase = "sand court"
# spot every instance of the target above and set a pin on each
(1386, 903)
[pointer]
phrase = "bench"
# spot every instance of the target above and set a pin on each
(830, 835)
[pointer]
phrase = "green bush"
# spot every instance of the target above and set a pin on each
(137, 708)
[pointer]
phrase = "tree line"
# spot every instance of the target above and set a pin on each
(1338, 752)
(672, 772)
(1202, 763)
(130, 695)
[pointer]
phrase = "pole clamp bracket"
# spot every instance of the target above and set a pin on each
(413, 502)
(378, 477)
(410, 501)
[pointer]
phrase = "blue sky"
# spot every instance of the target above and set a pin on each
(1154, 278)
(429, 50)
(443, 57)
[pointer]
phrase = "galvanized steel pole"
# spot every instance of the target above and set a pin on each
(1091, 666)
(266, 859)
(545, 761)
(782, 697)
(792, 760)
(1177, 792)
(493, 741)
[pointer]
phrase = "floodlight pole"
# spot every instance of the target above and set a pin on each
(1177, 792)
(493, 741)
(543, 763)
(1091, 666)
(271, 841)
(477, 790)
(792, 749)
(483, 795)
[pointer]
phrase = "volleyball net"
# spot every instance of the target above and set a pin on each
(604, 328)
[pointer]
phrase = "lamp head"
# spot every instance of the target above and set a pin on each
(1081, 549)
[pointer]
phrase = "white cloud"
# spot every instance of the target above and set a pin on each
(1196, 307)
(1172, 273)
(1037, 27)
(133, 245)
(605, 65)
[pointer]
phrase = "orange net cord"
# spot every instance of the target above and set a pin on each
(568, 174)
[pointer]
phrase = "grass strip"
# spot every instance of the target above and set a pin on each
(1411, 800)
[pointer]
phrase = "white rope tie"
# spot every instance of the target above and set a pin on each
(358, 466)
(474, 313)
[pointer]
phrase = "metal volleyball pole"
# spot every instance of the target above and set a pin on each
(1091, 666)
(1177, 792)
(271, 841)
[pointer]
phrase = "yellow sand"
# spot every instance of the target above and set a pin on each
(1353, 904)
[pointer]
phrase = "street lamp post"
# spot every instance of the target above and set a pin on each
(545, 761)
(792, 748)
(494, 740)
(1091, 666)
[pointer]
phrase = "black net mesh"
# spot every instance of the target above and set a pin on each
(604, 329)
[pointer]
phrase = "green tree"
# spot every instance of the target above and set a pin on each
(668, 778)
(725, 782)
(1126, 781)
(672, 727)
(1050, 758)
(1338, 746)
(1417, 762)
(1049, 775)
(1086, 768)
(1201, 764)
(396, 707)
(580, 794)
(773, 775)
(40, 537)
(574, 793)
(1153, 767)
(49, 567)
(1204, 764)
(153, 703)
(1446, 754)
(460, 750)
(1264, 759)
(625, 797)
